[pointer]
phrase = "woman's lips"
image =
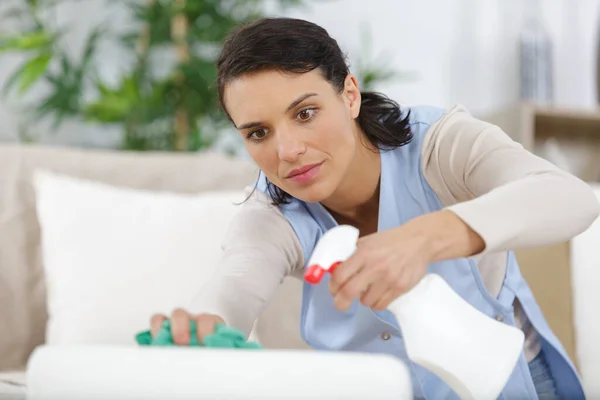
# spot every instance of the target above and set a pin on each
(305, 174)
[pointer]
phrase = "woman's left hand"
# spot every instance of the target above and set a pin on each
(389, 263)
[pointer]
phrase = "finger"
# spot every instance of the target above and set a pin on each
(374, 292)
(156, 323)
(386, 299)
(399, 287)
(180, 327)
(356, 286)
(344, 272)
(205, 325)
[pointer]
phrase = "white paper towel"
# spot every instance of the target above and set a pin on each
(174, 373)
(585, 274)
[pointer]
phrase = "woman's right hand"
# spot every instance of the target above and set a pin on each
(180, 325)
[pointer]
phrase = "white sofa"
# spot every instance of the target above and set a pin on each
(23, 291)
(567, 269)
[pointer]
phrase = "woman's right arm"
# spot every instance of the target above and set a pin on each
(259, 250)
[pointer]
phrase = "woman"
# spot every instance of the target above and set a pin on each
(430, 190)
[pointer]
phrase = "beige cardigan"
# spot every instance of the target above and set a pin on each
(511, 197)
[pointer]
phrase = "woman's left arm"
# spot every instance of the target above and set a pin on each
(510, 197)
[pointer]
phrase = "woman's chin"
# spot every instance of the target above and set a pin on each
(314, 193)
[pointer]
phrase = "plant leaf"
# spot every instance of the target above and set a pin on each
(12, 80)
(27, 74)
(27, 41)
(33, 71)
(91, 45)
(34, 4)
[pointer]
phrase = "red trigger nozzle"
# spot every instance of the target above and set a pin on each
(334, 266)
(314, 273)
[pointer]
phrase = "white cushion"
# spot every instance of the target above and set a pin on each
(585, 270)
(115, 256)
(12, 385)
(178, 373)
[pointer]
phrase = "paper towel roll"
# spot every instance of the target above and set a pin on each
(128, 373)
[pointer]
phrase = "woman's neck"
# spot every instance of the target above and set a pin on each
(356, 200)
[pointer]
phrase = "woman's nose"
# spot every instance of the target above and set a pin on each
(289, 147)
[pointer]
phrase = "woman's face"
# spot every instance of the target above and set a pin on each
(298, 129)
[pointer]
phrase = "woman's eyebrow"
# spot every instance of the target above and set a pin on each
(294, 103)
(249, 125)
(300, 100)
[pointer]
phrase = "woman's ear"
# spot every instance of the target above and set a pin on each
(352, 95)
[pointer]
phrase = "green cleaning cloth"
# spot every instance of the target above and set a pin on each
(224, 337)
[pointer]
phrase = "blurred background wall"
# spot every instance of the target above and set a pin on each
(443, 51)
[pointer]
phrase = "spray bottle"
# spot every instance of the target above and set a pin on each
(473, 353)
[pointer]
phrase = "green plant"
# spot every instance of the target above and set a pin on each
(165, 112)
(173, 111)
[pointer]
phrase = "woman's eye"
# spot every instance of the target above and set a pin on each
(306, 114)
(257, 135)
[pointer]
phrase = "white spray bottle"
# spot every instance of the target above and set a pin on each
(473, 353)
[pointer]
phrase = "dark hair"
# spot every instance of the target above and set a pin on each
(298, 46)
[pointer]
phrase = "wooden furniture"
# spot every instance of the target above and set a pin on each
(575, 131)
(541, 122)
(547, 270)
